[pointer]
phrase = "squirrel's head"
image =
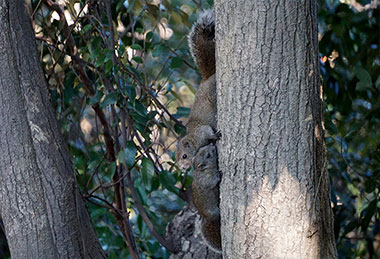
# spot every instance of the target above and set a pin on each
(206, 158)
(185, 152)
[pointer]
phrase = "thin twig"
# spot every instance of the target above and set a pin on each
(148, 91)
(169, 246)
(101, 186)
(35, 9)
(106, 205)
(176, 54)
(128, 119)
(168, 57)
(93, 173)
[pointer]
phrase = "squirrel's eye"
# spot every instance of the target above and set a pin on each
(208, 155)
(184, 156)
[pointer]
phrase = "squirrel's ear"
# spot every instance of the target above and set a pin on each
(186, 144)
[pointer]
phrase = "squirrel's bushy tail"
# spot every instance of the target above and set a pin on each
(210, 232)
(202, 44)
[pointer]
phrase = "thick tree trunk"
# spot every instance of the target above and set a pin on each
(43, 213)
(275, 191)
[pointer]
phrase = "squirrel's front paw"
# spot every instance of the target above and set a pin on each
(218, 134)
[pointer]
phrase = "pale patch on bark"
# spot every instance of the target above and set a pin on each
(37, 134)
(279, 229)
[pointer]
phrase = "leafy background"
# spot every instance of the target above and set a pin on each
(349, 45)
(152, 81)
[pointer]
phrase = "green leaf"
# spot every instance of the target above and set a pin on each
(111, 169)
(140, 108)
(141, 191)
(149, 36)
(121, 157)
(363, 76)
(119, 4)
(130, 153)
(138, 59)
(147, 172)
(100, 59)
(97, 97)
(139, 126)
(370, 186)
(369, 212)
(109, 66)
(177, 96)
(182, 112)
(93, 164)
(143, 120)
(131, 92)
(363, 86)
(86, 28)
(191, 87)
(350, 226)
(95, 53)
(152, 114)
(121, 49)
(176, 62)
(130, 5)
(330, 126)
(159, 50)
(377, 83)
(155, 183)
(139, 223)
(136, 46)
(95, 45)
(180, 129)
(109, 55)
(353, 129)
(168, 181)
(137, 73)
(109, 99)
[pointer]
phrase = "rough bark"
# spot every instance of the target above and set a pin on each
(184, 233)
(275, 192)
(43, 213)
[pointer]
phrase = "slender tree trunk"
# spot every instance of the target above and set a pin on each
(275, 192)
(43, 213)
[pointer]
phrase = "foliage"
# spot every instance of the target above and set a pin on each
(349, 49)
(142, 90)
(118, 79)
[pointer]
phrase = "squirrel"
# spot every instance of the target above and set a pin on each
(201, 125)
(205, 192)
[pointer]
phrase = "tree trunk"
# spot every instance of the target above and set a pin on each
(43, 213)
(275, 199)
